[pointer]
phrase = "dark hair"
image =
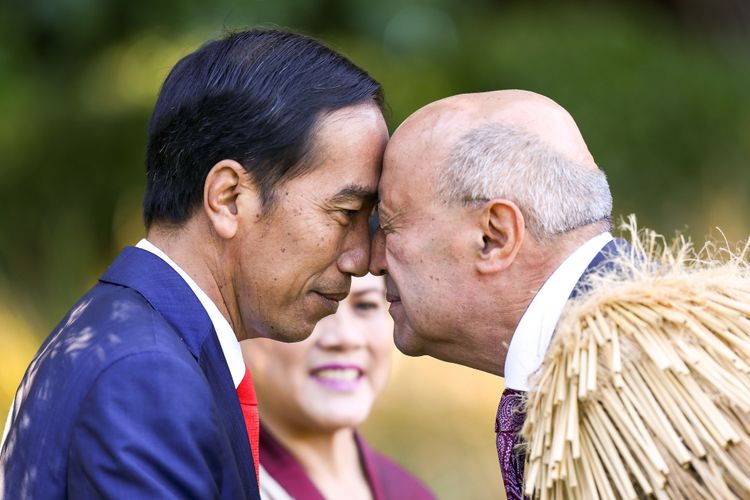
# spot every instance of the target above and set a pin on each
(254, 97)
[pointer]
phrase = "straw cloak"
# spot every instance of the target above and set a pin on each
(645, 389)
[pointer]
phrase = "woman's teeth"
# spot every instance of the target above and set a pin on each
(345, 374)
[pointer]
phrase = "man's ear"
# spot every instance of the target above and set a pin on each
(503, 228)
(224, 195)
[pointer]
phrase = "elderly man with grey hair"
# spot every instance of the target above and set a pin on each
(491, 211)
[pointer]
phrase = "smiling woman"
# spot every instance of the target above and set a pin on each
(312, 395)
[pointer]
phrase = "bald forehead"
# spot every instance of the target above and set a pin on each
(423, 140)
(433, 130)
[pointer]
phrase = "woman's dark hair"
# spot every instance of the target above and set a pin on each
(254, 97)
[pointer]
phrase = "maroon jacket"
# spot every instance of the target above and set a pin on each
(387, 480)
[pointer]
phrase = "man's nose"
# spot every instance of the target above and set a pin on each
(355, 258)
(377, 254)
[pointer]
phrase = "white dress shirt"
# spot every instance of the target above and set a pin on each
(534, 332)
(227, 339)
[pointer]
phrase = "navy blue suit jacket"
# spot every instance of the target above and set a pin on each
(603, 261)
(130, 397)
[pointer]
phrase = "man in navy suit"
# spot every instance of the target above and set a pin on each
(481, 259)
(264, 152)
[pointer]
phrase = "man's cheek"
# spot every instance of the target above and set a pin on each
(395, 251)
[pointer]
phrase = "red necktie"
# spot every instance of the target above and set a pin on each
(249, 405)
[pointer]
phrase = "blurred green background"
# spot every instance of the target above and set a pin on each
(660, 90)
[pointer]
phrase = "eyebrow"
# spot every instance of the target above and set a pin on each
(355, 192)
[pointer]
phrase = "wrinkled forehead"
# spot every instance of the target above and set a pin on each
(415, 156)
(408, 178)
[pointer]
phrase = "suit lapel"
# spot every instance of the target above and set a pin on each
(602, 260)
(217, 373)
(168, 293)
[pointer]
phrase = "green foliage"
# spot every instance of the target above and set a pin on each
(666, 113)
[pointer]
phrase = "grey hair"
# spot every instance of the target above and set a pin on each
(554, 194)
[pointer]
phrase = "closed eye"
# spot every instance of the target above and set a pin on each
(345, 216)
(366, 305)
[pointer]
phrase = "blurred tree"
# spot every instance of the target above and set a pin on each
(722, 17)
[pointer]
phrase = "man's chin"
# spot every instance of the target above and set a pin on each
(303, 321)
(407, 341)
(290, 336)
(293, 331)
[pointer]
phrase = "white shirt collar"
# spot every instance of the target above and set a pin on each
(227, 339)
(534, 332)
